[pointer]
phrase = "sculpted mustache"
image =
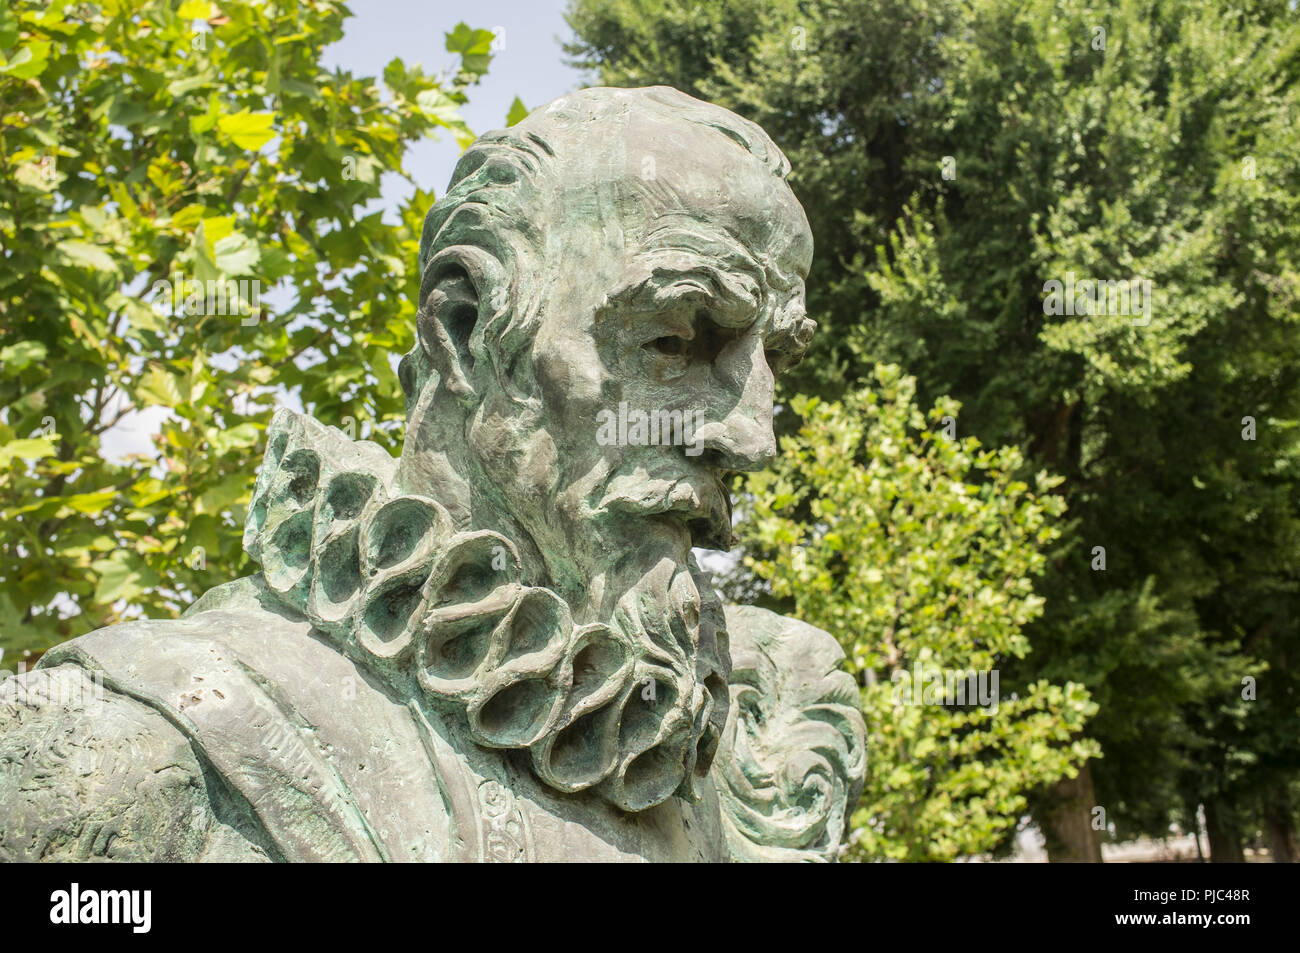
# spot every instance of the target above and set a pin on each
(679, 496)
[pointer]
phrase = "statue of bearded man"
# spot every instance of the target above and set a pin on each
(499, 646)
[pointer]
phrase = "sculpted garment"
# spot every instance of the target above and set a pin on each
(238, 734)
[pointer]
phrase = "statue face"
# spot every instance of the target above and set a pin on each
(675, 292)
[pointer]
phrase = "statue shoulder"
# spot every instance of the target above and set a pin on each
(793, 756)
(89, 773)
(132, 742)
(306, 747)
(802, 651)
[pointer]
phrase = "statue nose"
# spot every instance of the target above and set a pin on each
(742, 439)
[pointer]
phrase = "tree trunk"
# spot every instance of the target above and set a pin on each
(1197, 827)
(1280, 831)
(1222, 833)
(1066, 821)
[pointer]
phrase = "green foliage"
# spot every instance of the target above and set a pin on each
(955, 156)
(517, 112)
(149, 141)
(918, 551)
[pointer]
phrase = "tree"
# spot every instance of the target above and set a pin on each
(186, 223)
(918, 550)
(957, 158)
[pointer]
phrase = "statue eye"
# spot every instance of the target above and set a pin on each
(670, 345)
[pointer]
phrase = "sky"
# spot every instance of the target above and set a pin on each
(528, 63)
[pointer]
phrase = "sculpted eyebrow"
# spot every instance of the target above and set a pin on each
(733, 300)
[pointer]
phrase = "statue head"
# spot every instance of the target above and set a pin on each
(608, 290)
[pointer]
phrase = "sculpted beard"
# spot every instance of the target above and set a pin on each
(632, 705)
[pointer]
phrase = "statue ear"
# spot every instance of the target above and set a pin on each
(446, 323)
